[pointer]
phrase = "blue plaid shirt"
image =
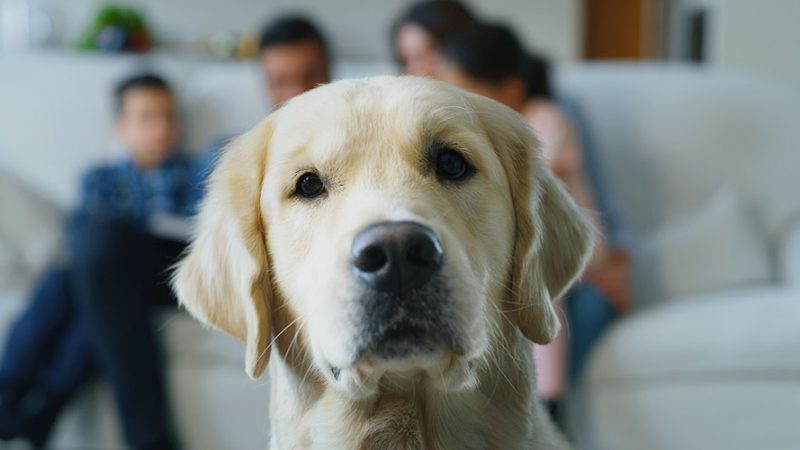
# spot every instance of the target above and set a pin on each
(122, 191)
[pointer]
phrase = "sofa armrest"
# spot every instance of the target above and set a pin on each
(790, 257)
(30, 231)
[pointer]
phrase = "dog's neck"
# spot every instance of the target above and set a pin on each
(410, 414)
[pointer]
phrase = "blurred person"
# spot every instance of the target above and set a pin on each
(92, 313)
(489, 60)
(419, 34)
(294, 58)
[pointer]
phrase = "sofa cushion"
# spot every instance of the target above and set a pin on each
(190, 342)
(790, 260)
(11, 302)
(715, 247)
(703, 414)
(669, 136)
(12, 271)
(30, 231)
(739, 333)
(215, 404)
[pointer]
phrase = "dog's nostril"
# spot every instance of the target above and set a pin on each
(423, 251)
(370, 259)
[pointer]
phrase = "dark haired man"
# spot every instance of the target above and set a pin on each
(294, 57)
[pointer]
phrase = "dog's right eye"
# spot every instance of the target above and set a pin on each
(451, 165)
(309, 185)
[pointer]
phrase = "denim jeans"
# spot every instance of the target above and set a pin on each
(120, 276)
(48, 346)
(589, 313)
(94, 315)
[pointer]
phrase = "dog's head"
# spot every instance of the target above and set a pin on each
(393, 224)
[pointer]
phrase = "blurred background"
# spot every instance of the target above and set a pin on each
(686, 112)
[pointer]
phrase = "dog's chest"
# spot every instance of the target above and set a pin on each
(430, 423)
(412, 417)
(395, 422)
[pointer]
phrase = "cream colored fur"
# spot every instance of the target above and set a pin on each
(272, 269)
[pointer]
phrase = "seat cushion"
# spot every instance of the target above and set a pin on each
(739, 333)
(710, 413)
(215, 404)
(189, 342)
(11, 302)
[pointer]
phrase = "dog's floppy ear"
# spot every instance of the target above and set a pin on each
(553, 238)
(224, 280)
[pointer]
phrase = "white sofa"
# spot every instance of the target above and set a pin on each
(700, 166)
(703, 169)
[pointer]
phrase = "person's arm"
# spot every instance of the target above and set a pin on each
(609, 267)
(95, 193)
(108, 192)
(94, 201)
(200, 169)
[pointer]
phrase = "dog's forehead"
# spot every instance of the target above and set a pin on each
(373, 110)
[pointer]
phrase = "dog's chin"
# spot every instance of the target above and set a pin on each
(439, 368)
(402, 340)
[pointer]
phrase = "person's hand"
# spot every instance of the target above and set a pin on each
(612, 277)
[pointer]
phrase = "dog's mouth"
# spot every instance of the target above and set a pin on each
(415, 324)
(403, 331)
(402, 345)
(401, 339)
(406, 349)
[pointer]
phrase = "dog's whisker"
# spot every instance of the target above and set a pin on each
(308, 370)
(269, 346)
(294, 338)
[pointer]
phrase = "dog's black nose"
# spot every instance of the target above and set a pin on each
(396, 257)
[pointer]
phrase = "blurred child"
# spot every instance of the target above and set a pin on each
(488, 60)
(91, 314)
(419, 34)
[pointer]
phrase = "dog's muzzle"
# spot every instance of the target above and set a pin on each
(398, 265)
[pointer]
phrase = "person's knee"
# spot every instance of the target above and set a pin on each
(587, 306)
(589, 313)
(99, 248)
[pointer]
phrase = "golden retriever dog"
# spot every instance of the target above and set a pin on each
(391, 245)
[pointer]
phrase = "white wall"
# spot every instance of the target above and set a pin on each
(757, 36)
(358, 28)
(761, 37)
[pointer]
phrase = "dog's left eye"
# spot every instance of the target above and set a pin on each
(450, 165)
(309, 185)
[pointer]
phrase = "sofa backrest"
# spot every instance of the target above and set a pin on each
(669, 137)
(56, 116)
